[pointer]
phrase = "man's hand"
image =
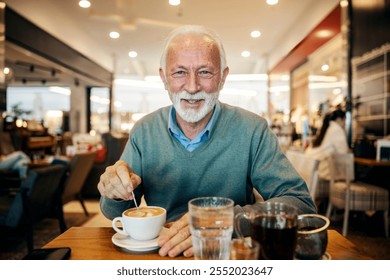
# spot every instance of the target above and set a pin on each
(177, 239)
(118, 181)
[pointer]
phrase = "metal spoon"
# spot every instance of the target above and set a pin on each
(135, 202)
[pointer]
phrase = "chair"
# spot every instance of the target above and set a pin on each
(6, 148)
(79, 167)
(32, 202)
(6, 144)
(350, 195)
(115, 145)
(307, 168)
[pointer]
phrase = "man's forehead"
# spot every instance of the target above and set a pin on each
(192, 41)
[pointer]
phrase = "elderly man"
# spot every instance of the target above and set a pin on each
(198, 146)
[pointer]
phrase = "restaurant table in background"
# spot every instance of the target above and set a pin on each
(38, 163)
(46, 160)
(371, 162)
(94, 243)
(372, 171)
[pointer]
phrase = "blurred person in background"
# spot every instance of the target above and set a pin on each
(331, 139)
(15, 161)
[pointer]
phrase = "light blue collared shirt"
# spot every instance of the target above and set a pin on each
(203, 136)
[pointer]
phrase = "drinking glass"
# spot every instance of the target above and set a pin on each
(274, 226)
(211, 226)
(312, 236)
(244, 249)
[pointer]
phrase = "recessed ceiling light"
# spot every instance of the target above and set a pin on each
(325, 67)
(255, 34)
(245, 54)
(272, 2)
(174, 2)
(133, 54)
(84, 4)
(324, 33)
(344, 3)
(114, 35)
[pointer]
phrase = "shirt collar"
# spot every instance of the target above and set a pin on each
(174, 128)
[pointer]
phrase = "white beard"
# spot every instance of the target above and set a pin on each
(192, 115)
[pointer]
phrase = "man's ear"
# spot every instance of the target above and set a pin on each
(223, 78)
(163, 78)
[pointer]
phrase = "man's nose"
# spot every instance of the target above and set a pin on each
(192, 83)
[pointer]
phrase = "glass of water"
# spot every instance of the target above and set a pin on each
(211, 225)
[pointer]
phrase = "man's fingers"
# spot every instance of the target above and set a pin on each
(118, 181)
(123, 175)
(174, 229)
(189, 252)
(181, 247)
(135, 180)
(174, 242)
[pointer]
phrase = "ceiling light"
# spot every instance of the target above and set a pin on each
(6, 70)
(272, 2)
(133, 54)
(84, 4)
(174, 2)
(245, 54)
(114, 35)
(325, 67)
(343, 3)
(255, 34)
(324, 33)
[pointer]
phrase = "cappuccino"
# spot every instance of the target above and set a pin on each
(143, 223)
(142, 212)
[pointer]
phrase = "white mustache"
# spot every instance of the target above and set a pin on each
(188, 96)
(191, 115)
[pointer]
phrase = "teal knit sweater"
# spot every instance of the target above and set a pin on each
(241, 154)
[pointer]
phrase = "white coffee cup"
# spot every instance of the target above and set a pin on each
(143, 223)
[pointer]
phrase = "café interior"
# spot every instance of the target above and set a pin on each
(70, 100)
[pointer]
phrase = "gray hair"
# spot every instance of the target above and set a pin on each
(193, 29)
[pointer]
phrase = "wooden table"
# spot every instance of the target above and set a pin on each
(46, 161)
(371, 162)
(372, 171)
(94, 243)
(38, 164)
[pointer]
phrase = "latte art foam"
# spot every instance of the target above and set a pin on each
(142, 212)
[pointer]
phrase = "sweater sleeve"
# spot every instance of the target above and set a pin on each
(112, 208)
(274, 177)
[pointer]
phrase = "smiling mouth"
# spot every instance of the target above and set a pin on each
(193, 101)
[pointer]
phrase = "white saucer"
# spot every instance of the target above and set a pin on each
(131, 244)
